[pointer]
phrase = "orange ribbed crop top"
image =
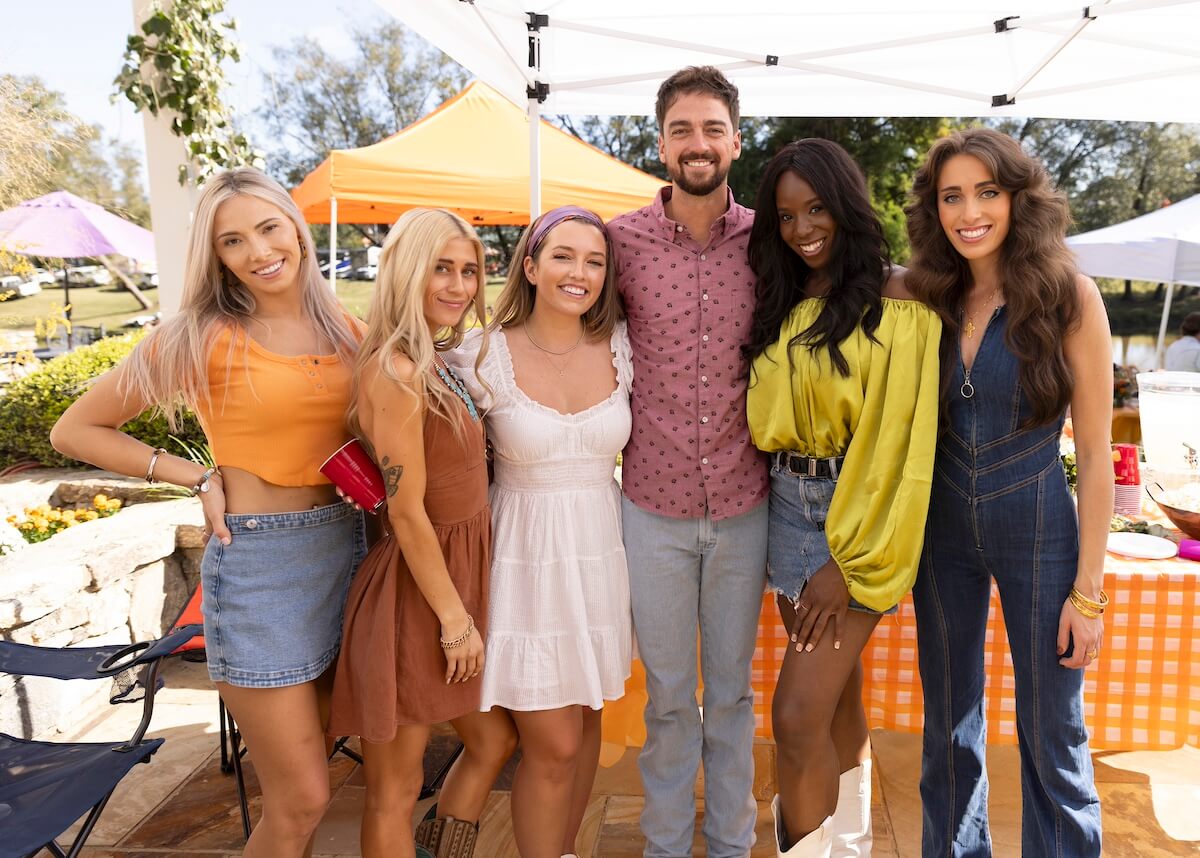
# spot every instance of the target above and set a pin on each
(276, 416)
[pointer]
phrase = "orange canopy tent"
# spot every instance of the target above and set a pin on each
(471, 156)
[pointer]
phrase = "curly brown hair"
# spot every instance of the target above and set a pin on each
(1037, 270)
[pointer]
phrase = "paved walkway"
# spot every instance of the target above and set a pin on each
(181, 803)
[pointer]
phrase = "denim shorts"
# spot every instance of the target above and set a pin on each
(796, 543)
(273, 597)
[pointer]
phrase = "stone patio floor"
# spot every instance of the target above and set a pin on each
(181, 804)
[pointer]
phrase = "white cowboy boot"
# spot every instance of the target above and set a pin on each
(852, 819)
(815, 844)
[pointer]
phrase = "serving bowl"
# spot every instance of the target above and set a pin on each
(1186, 520)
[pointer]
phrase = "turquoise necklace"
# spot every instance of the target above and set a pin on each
(452, 381)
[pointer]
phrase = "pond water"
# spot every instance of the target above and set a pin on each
(1137, 349)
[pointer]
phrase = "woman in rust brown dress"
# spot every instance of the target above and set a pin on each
(413, 646)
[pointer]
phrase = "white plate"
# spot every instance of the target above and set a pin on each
(1141, 545)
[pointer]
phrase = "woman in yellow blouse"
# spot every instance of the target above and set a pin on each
(844, 396)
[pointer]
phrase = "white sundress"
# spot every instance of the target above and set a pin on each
(559, 621)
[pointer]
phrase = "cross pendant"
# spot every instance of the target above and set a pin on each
(970, 328)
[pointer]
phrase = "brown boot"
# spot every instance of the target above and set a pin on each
(447, 837)
(428, 832)
(458, 839)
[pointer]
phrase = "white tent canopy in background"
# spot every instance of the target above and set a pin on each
(1120, 59)
(1162, 246)
(1133, 60)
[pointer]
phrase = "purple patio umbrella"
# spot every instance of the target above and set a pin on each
(64, 225)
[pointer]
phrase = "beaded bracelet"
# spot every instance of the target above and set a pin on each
(463, 638)
(158, 451)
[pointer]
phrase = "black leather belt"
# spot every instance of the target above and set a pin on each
(808, 466)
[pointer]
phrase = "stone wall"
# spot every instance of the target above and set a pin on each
(112, 580)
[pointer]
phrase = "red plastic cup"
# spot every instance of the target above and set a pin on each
(1125, 465)
(352, 471)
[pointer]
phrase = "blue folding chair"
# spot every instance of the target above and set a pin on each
(46, 786)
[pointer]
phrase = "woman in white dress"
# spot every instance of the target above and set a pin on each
(554, 388)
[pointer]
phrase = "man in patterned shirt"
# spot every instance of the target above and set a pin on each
(694, 511)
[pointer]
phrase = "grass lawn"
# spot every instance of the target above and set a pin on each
(109, 306)
(94, 306)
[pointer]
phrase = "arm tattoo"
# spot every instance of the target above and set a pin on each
(391, 476)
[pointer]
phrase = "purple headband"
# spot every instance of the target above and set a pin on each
(556, 216)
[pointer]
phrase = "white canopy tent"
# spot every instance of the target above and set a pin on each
(1162, 246)
(1119, 59)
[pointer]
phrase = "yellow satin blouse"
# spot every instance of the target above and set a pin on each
(883, 417)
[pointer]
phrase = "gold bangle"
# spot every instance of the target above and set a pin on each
(158, 451)
(1084, 606)
(1079, 598)
(463, 638)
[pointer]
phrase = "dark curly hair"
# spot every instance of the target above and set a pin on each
(860, 259)
(1037, 270)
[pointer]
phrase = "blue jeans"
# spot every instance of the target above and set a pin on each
(1009, 518)
(686, 574)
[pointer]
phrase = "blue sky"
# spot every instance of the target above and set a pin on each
(76, 46)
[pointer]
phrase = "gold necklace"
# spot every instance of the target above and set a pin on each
(970, 328)
(547, 352)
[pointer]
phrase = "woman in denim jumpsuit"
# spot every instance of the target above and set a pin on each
(1024, 337)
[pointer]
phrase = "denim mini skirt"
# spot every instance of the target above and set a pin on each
(274, 597)
(796, 543)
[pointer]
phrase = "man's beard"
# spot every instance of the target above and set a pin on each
(678, 174)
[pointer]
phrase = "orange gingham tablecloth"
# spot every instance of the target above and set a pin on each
(1144, 693)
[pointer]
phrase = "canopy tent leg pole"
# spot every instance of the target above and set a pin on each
(333, 244)
(535, 159)
(1162, 328)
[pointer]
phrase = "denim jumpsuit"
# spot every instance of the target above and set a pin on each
(1000, 508)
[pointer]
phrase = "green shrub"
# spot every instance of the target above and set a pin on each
(34, 403)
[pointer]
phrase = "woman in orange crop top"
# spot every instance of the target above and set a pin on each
(262, 351)
(417, 612)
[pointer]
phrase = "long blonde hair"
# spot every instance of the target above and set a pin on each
(169, 368)
(396, 321)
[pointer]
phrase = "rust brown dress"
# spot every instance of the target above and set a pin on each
(391, 669)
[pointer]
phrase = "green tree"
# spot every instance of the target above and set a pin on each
(631, 139)
(319, 102)
(44, 148)
(1112, 171)
(36, 133)
(104, 172)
